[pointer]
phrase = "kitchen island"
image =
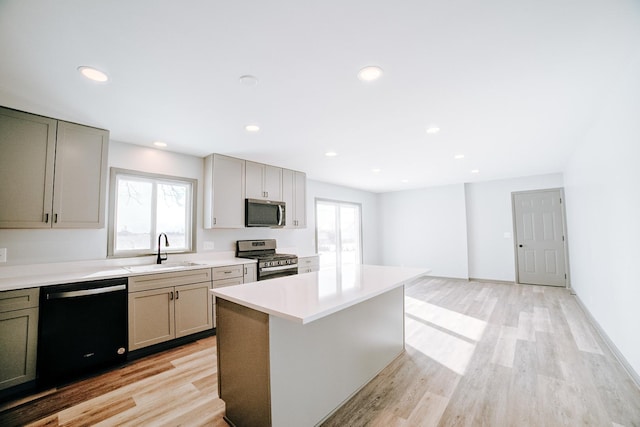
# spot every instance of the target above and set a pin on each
(292, 350)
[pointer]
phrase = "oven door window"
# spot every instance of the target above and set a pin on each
(274, 274)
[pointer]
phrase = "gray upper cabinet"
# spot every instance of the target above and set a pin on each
(80, 176)
(294, 192)
(53, 173)
(27, 154)
(263, 181)
(224, 189)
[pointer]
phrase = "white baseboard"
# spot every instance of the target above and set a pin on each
(623, 361)
(504, 282)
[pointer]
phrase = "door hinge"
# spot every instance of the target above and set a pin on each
(560, 199)
(565, 275)
(563, 238)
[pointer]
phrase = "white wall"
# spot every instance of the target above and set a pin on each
(489, 217)
(602, 188)
(425, 228)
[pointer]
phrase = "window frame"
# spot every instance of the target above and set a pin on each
(156, 179)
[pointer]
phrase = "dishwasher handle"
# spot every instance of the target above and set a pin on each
(85, 292)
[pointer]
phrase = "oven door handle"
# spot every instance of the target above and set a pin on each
(279, 268)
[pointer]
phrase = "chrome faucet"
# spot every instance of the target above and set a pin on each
(161, 258)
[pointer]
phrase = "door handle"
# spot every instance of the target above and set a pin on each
(521, 246)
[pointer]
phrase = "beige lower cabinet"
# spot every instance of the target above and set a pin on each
(159, 312)
(18, 336)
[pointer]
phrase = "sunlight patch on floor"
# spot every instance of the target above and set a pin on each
(461, 324)
(446, 349)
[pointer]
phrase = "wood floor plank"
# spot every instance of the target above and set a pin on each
(489, 354)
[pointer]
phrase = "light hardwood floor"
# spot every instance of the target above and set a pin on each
(476, 354)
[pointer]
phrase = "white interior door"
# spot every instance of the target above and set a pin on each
(540, 237)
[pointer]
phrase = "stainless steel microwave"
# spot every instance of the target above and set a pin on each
(264, 213)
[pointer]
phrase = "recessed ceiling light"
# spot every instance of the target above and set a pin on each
(370, 73)
(458, 156)
(432, 130)
(405, 181)
(160, 144)
(93, 74)
(248, 80)
(376, 170)
(330, 154)
(252, 128)
(475, 170)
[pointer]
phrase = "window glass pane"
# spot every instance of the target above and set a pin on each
(327, 234)
(133, 215)
(349, 234)
(173, 213)
(338, 233)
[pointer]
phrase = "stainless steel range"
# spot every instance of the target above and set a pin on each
(270, 264)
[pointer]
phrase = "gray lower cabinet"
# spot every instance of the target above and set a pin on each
(166, 306)
(250, 273)
(53, 172)
(18, 336)
(308, 264)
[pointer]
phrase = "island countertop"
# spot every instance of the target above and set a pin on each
(306, 297)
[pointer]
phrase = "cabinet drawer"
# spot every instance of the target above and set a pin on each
(228, 282)
(228, 272)
(163, 280)
(309, 261)
(19, 299)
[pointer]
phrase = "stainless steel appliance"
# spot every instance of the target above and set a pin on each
(264, 213)
(83, 327)
(270, 263)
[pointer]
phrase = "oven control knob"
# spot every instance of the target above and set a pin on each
(266, 264)
(288, 261)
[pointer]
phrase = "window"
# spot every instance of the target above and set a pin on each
(338, 233)
(144, 205)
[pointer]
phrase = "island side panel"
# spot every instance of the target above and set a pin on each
(316, 367)
(243, 363)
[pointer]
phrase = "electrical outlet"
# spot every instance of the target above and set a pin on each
(208, 246)
(3, 254)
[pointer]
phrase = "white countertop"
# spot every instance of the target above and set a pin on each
(306, 297)
(33, 276)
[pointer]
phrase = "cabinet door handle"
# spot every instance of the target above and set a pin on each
(55, 218)
(245, 270)
(214, 221)
(177, 294)
(171, 296)
(46, 218)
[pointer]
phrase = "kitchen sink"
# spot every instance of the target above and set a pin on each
(162, 267)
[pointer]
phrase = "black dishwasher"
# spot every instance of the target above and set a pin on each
(83, 328)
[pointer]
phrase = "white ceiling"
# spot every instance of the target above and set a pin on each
(513, 85)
